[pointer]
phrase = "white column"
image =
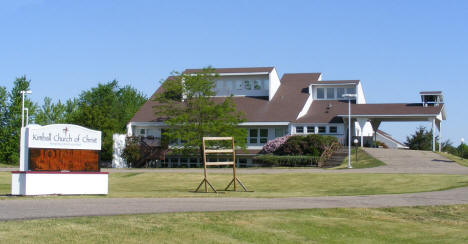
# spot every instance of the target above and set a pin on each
(440, 136)
(433, 135)
(362, 122)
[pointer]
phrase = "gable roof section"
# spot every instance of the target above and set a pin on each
(330, 111)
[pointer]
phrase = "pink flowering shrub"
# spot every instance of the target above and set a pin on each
(272, 145)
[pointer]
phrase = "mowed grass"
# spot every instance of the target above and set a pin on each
(364, 160)
(165, 184)
(3, 165)
(435, 224)
(459, 160)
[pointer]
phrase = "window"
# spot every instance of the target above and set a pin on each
(299, 129)
(239, 85)
(330, 93)
(320, 93)
(253, 134)
(311, 129)
(263, 135)
(279, 132)
(333, 129)
(247, 85)
(351, 90)
(322, 129)
(258, 136)
(339, 92)
(142, 132)
(257, 85)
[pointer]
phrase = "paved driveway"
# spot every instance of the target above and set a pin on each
(32, 209)
(412, 161)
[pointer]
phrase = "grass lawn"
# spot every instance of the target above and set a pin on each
(157, 184)
(459, 160)
(438, 224)
(2, 165)
(364, 160)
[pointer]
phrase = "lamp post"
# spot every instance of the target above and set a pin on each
(356, 146)
(22, 110)
(349, 97)
(462, 146)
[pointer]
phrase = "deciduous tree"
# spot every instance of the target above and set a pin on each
(192, 113)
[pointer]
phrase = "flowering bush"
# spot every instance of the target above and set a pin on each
(272, 145)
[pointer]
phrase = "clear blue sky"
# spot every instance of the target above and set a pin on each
(396, 48)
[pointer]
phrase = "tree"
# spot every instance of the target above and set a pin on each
(10, 119)
(192, 113)
(50, 113)
(107, 108)
(421, 140)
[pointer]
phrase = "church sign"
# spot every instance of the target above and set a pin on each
(63, 148)
(59, 159)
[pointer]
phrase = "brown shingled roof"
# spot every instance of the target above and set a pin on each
(234, 70)
(284, 107)
(327, 111)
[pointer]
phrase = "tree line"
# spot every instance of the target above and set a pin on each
(107, 107)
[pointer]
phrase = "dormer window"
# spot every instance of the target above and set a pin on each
(351, 90)
(339, 92)
(320, 93)
(247, 85)
(257, 85)
(330, 93)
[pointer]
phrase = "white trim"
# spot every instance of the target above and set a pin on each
(146, 124)
(235, 74)
(333, 84)
(263, 123)
(388, 115)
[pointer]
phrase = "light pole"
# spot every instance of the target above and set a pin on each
(22, 109)
(462, 147)
(349, 97)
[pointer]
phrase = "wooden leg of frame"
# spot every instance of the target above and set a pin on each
(201, 183)
(240, 183)
(227, 187)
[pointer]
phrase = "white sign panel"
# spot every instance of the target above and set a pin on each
(63, 136)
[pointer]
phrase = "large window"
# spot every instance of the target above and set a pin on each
(351, 90)
(322, 129)
(247, 85)
(279, 132)
(258, 136)
(257, 85)
(320, 93)
(339, 92)
(333, 129)
(330, 93)
(311, 129)
(299, 129)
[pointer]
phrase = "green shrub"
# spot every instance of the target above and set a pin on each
(269, 160)
(310, 145)
(131, 153)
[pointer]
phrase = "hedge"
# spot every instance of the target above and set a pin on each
(269, 160)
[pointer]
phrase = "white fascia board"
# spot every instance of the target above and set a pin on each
(242, 74)
(238, 74)
(306, 106)
(146, 124)
(388, 115)
(334, 84)
(263, 123)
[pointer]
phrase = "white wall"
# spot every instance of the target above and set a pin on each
(361, 99)
(274, 84)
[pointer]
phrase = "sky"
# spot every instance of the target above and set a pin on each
(396, 48)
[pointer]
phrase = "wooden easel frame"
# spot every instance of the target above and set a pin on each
(219, 151)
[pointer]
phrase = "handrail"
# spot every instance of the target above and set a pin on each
(328, 153)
